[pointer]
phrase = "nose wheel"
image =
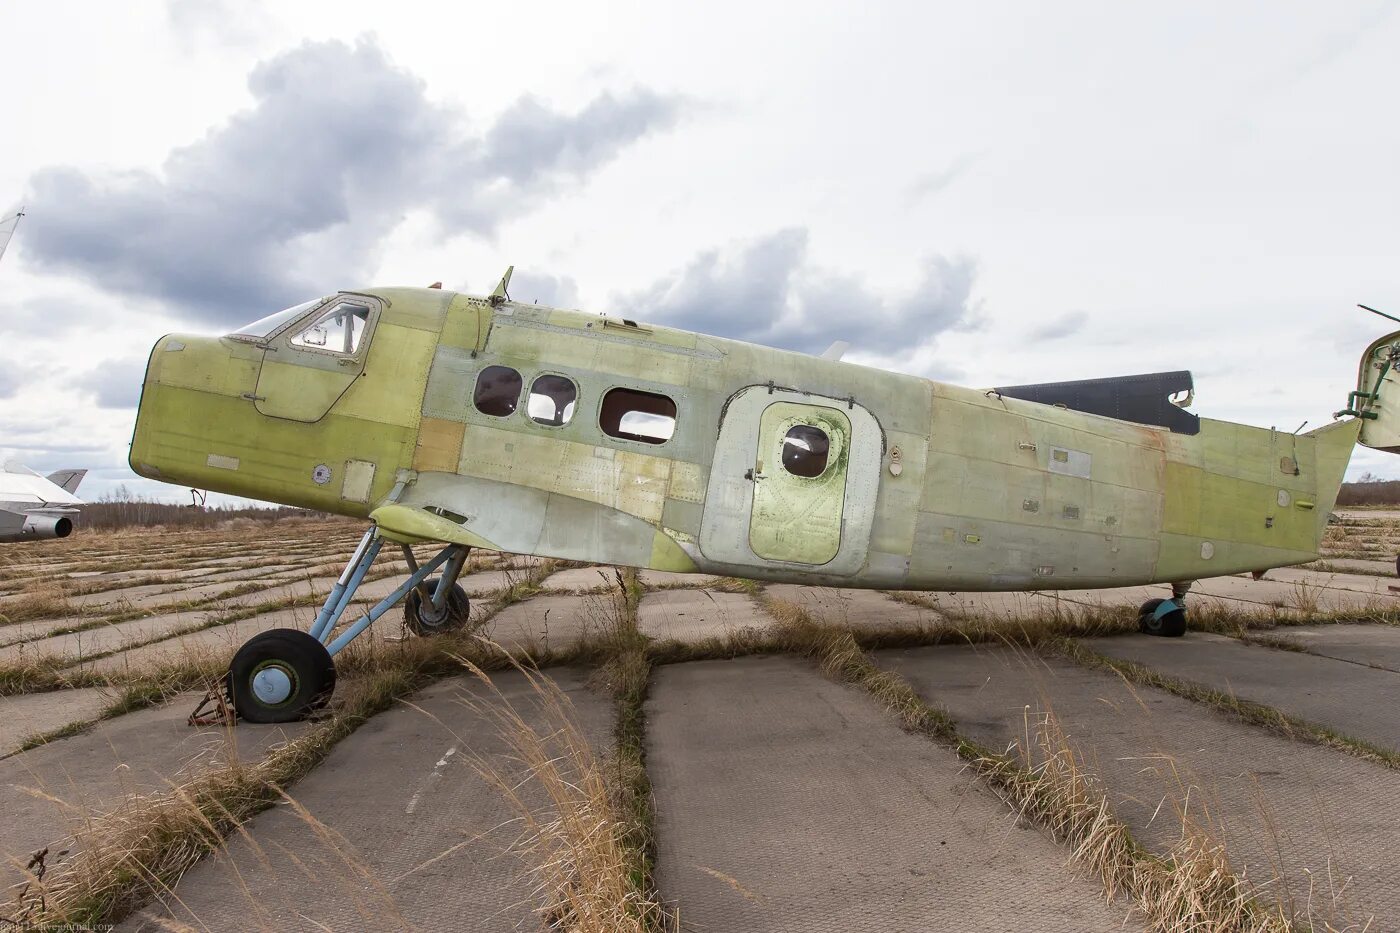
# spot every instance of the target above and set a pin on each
(280, 676)
(423, 618)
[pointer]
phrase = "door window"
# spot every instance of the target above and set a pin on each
(338, 329)
(805, 450)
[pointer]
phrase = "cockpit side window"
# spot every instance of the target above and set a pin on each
(338, 329)
(265, 327)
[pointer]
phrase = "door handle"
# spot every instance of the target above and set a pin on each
(752, 476)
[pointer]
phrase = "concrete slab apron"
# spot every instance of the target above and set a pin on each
(30, 714)
(1359, 701)
(1319, 821)
(693, 615)
(857, 608)
(1371, 645)
(397, 794)
(788, 802)
(140, 752)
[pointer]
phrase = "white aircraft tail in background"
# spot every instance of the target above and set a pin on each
(33, 507)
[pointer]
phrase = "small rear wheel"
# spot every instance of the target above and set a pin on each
(280, 676)
(422, 618)
(1167, 623)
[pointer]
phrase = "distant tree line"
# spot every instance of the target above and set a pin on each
(1370, 490)
(124, 509)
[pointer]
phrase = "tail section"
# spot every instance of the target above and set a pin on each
(1376, 400)
(67, 480)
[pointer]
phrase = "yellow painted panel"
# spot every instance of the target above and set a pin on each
(439, 446)
(468, 321)
(641, 363)
(641, 484)
(1182, 508)
(390, 391)
(687, 482)
(633, 483)
(666, 554)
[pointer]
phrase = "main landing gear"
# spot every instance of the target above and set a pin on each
(1165, 617)
(285, 674)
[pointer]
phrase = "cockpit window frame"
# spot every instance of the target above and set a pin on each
(281, 338)
(288, 336)
(312, 308)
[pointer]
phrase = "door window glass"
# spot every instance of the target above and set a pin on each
(552, 400)
(497, 391)
(337, 329)
(805, 450)
(633, 415)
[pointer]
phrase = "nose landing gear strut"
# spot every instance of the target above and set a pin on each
(286, 674)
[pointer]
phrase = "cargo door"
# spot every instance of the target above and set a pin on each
(306, 370)
(794, 481)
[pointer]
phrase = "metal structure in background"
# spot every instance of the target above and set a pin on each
(7, 229)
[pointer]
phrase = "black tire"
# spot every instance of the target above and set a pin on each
(1171, 624)
(419, 618)
(293, 654)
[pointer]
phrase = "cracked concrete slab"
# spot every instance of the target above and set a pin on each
(1308, 816)
(545, 622)
(1370, 645)
(663, 579)
(695, 615)
(420, 841)
(858, 608)
(1352, 699)
(580, 580)
(788, 802)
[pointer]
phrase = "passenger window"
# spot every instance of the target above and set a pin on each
(552, 400)
(337, 329)
(805, 450)
(497, 391)
(638, 416)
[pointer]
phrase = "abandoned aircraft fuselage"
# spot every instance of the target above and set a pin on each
(533, 430)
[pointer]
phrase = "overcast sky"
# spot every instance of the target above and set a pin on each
(986, 194)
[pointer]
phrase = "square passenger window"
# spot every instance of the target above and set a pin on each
(337, 329)
(633, 415)
(552, 400)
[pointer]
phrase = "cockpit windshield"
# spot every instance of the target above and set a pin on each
(263, 327)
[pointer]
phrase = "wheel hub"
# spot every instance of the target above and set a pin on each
(272, 685)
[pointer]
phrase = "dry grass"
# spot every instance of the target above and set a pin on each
(570, 831)
(40, 600)
(1190, 888)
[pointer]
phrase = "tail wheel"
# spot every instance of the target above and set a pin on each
(1170, 623)
(280, 676)
(421, 618)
